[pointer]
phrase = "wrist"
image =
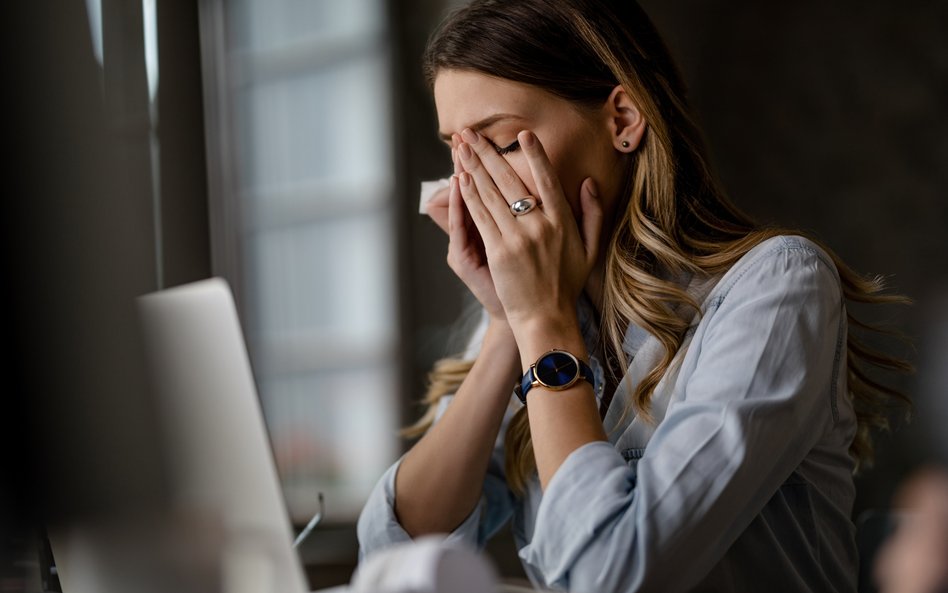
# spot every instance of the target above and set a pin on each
(500, 328)
(500, 338)
(542, 334)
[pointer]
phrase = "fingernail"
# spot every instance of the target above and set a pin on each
(469, 136)
(465, 151)
(465, 179)
(527, 138)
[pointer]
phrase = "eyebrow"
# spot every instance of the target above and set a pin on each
(484, 123)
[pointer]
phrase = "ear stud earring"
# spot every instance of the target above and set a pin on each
(625, 144)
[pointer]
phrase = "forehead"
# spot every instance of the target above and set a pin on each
(465, 98)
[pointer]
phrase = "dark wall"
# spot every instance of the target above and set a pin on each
(832, 117)
(77, 246)
(78, 436)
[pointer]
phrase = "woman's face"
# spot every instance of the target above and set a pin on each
(578, 142)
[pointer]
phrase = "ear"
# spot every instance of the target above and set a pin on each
(625, 121)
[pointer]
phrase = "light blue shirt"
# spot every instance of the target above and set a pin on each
(742, 483)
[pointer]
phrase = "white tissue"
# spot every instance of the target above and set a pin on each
(425, 565)
(428, 190)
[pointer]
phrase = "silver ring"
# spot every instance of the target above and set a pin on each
(524, 205)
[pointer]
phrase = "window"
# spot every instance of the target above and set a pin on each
(298, 113)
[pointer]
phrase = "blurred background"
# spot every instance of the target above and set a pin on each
(280, 145)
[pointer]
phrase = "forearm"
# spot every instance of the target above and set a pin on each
(560, 421)
(440, 479)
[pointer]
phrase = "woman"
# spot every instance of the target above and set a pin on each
(699, 421)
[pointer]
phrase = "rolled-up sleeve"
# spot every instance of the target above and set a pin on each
(756, 400)
(378, 527)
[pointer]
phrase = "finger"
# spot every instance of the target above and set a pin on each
(457, 229)
(592, 219)
(548, 184)
(490, 196)
(473, 236)
(455, 141)
(464, 244)
(501, 173)
(483, 218)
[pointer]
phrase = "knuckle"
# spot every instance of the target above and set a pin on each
(501, 257)
(541, 235)
(518, 243)
(493, 194)
(453, 263)
(547, 182)
(473, 165)
(509, 178)
(535, 233)
(495, 253)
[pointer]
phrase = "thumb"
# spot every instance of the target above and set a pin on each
(592, 218)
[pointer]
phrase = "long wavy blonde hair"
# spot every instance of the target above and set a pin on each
(676, 218)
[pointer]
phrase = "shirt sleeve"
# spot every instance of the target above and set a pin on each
(378, 527)
(756, 402)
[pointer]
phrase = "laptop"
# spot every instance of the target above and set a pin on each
(221, 461)
(223, 477)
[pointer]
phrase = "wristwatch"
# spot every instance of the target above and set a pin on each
(556, 370)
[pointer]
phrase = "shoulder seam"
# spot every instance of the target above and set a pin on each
(787, 243)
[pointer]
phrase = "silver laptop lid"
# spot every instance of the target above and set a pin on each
(222, 464)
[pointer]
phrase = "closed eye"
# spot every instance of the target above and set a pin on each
(515, 145)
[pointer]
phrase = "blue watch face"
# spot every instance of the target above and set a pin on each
(556, 369)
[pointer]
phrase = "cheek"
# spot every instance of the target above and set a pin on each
(571, 178)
